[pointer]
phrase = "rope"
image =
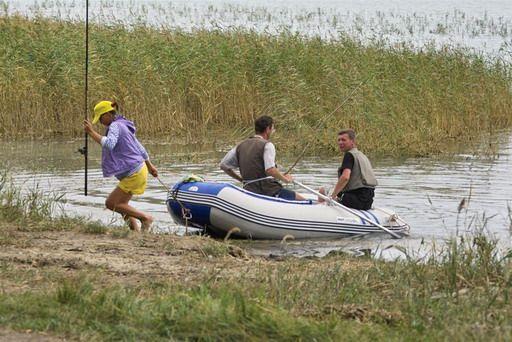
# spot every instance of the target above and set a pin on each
(185, 212)
(245, 183)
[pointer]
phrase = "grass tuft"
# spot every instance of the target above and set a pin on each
(94, 227)
(35, 210)
(465, 286)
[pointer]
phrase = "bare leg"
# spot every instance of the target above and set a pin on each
(118, 201)
(322, 191)
(132, 223)
(299, 197)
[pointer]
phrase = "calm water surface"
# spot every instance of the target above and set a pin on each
(481, 26)
(426, 192)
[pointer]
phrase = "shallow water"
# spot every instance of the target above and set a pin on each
(426, 192)
(480, 26)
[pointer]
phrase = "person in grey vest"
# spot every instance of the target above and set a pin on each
(255, 158)
(356, 181)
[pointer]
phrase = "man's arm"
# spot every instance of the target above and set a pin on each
(269, 158)
(233, 174)
(342, 182)
(229, 163)
(346, 165)
(274, 172)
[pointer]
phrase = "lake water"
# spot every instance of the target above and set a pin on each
(426, 192)
(481, 26)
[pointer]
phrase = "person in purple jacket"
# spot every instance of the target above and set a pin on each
(123, 157)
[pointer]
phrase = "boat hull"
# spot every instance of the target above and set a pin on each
(221, 208)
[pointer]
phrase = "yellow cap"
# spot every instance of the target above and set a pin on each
(101, 108)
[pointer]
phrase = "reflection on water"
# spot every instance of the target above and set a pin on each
(426, 192)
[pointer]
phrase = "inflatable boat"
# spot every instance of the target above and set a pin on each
(222, 208)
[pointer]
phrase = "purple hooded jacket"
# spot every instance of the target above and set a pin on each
(127, 154)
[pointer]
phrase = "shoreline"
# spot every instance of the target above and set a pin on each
(79, 280)
(72, 278)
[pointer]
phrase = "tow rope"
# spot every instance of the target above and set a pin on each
(186, 213)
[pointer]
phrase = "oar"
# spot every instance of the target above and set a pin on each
(327, 198)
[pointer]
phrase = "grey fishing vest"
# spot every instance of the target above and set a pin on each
(249, 154)
(362, 175)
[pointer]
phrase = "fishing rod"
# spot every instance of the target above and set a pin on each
(328, 116)
(84, 149)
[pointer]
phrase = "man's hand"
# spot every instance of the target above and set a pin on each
(287, 178)
(274, 172)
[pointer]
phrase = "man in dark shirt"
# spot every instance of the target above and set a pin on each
(356, 181)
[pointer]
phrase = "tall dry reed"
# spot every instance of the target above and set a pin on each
(174, 83)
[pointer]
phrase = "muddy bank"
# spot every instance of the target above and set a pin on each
(76, 280)
(130, 258)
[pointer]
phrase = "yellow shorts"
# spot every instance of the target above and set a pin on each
(136, 183)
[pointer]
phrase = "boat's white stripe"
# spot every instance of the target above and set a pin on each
(363, 221)
(365, 214)
(375, 218)
(257, 218)
(284, 221)
(284, 225)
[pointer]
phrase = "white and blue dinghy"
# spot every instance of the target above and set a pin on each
(218, 208)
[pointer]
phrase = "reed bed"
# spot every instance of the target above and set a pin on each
(203, 84)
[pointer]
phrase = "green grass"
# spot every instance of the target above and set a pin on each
(96, 227)
(33, 209)
(197, 84)
(33, 205)
(462, 294)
